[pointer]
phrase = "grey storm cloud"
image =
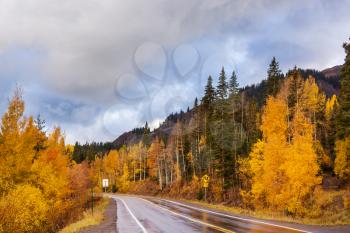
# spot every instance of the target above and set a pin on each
(101, 67)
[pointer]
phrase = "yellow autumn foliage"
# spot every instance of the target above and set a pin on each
(330, 104)
(342, 159)
(23, 209)
(37, 179)
(283, 174)
(124, 179)
(300, 166)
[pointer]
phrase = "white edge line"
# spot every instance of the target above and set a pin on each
(132, 215)
(189, 218)
(234, 217)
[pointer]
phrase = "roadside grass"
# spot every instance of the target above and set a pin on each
(329, 219)
(88, 219)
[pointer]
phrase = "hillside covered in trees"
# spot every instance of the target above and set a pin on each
(282, 145)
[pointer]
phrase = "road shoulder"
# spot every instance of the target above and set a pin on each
(108, 225)
(310, 228)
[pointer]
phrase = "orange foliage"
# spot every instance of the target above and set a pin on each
(38, 183)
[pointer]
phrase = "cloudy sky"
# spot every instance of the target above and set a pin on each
(100, 67)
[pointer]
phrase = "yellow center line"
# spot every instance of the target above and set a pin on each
(192, 219)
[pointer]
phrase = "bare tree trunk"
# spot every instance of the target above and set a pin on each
(288, 122)
(145, 167)
(166, 170)
(171, 175)
(160, 175)
(315, 126)
(140, 163)
(178, 176)
(242, 115)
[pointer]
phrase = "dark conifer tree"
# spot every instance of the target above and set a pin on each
(195, 105)
(274, 76)
(222, 133)
(209, 93)
(222, 88)
(343, 116)
(146, 137)
(295, 88)
(41, 136)
(206, 112)
(233, 84)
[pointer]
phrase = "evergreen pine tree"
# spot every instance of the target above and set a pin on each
(146, 137)
(195, 105)
(274, 76)
(206, 112)
(343, 116)
(222, 133)
(209, 93)
(233, 84)
(295, 88)
(222, 87)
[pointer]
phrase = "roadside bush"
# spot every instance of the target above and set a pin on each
(23, 210)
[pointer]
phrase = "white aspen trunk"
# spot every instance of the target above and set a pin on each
(315, 125)
(171, 175)
(134, 173)
(178, 175)
(242, 102)
(160, 175)
(144, 167)
(165, 170)
(140, 157)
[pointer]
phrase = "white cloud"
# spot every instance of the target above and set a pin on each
(87, 46)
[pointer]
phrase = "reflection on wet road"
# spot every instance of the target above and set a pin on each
(155, 215)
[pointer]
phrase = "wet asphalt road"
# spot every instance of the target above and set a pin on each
(151, 215)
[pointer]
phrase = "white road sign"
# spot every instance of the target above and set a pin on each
(104, 183)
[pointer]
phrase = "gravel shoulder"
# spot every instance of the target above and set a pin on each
(108, 224)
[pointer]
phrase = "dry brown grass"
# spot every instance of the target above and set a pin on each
(88, 219)
(328, 207)
(327, 218)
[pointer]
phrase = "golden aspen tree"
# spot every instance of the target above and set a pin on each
(283, 173)
(156, 163)
(153, 153)
(95, 174)
(330, 104)
(136, 163)
(254, 169)
(268, 155)
(111, 166)
(342, 159)
(13, 157)
(312, 101)
(300, 166)
(124, 179)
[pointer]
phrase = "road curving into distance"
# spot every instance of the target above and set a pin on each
(152, 215)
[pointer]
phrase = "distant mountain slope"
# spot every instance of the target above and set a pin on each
(332, 72)
(328, 81)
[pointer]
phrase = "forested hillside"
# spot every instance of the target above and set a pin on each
(282, 144)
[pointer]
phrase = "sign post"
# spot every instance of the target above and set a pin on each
(105, 184)
(92, 200)
(205, 184)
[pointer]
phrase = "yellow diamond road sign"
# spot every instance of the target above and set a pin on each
(205, 181)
